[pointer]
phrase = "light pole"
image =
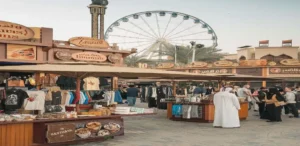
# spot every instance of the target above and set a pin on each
(194, 50)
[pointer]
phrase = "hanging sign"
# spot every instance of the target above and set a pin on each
(89, 56)
(290, 62)
(223, 63)
(89, 42)
(13, 31)
(284, 70)
(61, 133)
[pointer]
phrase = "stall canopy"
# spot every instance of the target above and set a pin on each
(81, 71)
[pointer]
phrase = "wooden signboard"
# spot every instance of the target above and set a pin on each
(20, 52)
(249, 71)
(165, 65)
(223, 63)
(60, 133)
(290, 62)
(213, 71)
(260, 62)
(199, 64)
(115, 58)
(63, 55)
(13, 31)
(284, 70)
(89, 56)
(89, 42)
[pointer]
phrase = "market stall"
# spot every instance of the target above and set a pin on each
(81, 120)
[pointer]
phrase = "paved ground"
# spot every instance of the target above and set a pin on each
(159, 131)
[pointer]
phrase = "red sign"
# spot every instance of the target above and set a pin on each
(13, 31)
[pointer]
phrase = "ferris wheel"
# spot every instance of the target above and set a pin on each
(151, 32)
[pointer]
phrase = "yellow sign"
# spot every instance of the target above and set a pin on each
(89, 56)
(13, 31)
(89, 42)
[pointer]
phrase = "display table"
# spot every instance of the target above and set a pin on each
(207, 114)
(54, 132)
(16, 133)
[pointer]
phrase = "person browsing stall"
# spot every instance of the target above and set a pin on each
(132, 94)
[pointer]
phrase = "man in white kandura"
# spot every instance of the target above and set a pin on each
(227, 108)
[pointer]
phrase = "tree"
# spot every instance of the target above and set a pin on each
(184, 54)
(134, 60)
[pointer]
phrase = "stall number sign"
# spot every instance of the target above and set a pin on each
(61, 133)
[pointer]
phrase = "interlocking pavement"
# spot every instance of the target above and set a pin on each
(157, 130)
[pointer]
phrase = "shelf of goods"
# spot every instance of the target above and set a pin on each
(206, 111)
(60, 131)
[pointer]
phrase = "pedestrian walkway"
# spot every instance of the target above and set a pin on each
(157, 130)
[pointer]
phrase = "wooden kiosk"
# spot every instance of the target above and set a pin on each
(208, 110)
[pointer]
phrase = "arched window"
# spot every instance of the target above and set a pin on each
(242, 58)
(268, 57)
(281, 57)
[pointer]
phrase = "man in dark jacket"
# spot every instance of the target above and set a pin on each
(262, 93)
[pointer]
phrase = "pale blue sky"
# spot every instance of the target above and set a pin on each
(236, 22)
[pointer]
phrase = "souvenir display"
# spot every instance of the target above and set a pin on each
(103, 133)
(83, 132)
(93, 126)
(112, 127)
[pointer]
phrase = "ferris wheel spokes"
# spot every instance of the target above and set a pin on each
(184, 30)
(188, 35)
(149, 26)
(142, 29)
(158, 28)
(134, 32)
(174, 28)
(167, 25)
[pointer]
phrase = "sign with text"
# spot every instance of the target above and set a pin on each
(165, 65)
(89, 56)
(61, 133)
(212, 71)
(89, 42)
(249, 71)
(290, 70)
(13, 31)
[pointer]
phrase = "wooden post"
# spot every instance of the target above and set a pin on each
(114, 83)
(264, 74)
(174, 88)
(78, 80)
(37, 79)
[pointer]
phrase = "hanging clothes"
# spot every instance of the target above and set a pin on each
(161, 95)
(118, 97)
(91, 83)
(152, 97)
